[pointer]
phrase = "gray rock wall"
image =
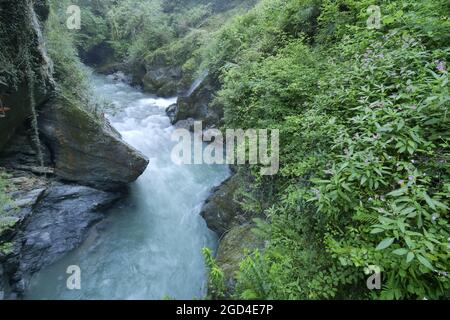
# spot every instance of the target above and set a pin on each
(21, 40)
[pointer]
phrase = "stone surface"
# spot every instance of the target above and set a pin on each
(221, 212)
(171, 112)
(22, 152)
(43, 220)
(237, 244)
(197, 105)
(87, 151)
(224, 216)
(162, 81)
(53, 221)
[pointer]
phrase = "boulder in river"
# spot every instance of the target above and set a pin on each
(171, 112)
(221, 212)
(88, 150)
(197, 104)
(162, 80)
(235, 246)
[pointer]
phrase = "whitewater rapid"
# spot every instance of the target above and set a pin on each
(149, 246)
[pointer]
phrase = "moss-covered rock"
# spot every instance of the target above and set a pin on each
(87, 150)
(224, 215)
(198, 104)
(221, 212)
(170, 69)
(23, 57)
(234, 247)
(83, 149)
(162, 81)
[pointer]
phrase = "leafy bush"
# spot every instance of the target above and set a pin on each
(138, 27)
(71, 76)
(363, 116)
(216, 278)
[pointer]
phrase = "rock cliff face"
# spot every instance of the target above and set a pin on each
(44, 218)
(57, 188)
(23, 56)
(84, 149)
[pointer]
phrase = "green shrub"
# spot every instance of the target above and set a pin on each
(138, 27)
(71, 76)
(363, 116)
(216, 278)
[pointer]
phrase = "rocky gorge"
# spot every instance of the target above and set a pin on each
(221, 210)
(60, 168)
(64, 167)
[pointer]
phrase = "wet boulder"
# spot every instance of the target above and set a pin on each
(221, 212)
(172, 111)
(197, 104)
(88, 150)
(49, 222)
(162, 81)
(234, 247)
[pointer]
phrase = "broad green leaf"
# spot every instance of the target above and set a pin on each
(409, 257)
(385, 243)
(440, 205)
(409, 242)
(429, 201)
(425, 262)
(376, 230)
(400, 252)
(398, 192)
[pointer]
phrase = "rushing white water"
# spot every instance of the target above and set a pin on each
(149, 247)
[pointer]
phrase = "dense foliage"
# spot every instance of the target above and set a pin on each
(140, 33)
(363, 115)
(71, 76)
(216, 281)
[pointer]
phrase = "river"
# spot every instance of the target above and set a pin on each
(149, 246)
